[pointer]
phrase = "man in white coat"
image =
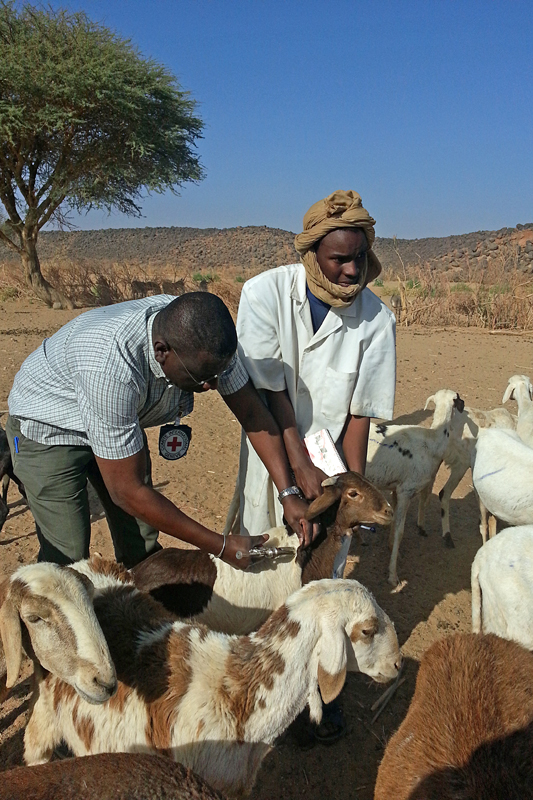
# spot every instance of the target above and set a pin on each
(320, 348)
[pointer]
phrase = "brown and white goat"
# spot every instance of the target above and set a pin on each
(46, 610)
(468, 733)
(198, 586)
(214, 702)
(106, 776)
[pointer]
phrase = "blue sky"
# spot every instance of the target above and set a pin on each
(424, 108)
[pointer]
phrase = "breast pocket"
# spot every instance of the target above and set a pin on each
(338, 391)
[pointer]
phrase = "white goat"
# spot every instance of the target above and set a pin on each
(214, 702)
(502, 474)
(458, 455)
(520, 389)
(47, 611)
(106, 776)
(468, 733)
(502, 586)
(197, 586)
(405, 459)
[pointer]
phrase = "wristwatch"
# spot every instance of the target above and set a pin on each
(290, 490)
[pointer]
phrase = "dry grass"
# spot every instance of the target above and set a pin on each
(498, 297)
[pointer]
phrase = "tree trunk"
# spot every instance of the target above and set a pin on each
(32, 272)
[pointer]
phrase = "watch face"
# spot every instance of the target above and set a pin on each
(174, 441)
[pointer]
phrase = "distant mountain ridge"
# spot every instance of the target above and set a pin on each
(260, 247)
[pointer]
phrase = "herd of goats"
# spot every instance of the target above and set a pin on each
(174, 679)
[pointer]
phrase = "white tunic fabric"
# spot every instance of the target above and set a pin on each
(347, 367)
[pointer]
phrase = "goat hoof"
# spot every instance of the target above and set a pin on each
(448, 541)
(399, 586)
(421, 531)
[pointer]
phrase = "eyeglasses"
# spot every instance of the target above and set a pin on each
(195, 381)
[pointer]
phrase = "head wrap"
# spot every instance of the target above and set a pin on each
(339, 210)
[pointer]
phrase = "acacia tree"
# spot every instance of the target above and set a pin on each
(85, 122)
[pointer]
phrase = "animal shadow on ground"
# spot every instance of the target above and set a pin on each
(432, 571)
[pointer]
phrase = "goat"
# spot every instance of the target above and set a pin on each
(468, 733)
(502, 586)
(194, 584)
(405, 459)
(519, 388)
(47, 610)
(458, 454)
(396, 305)
(502, 475)
(106, 776)
(144, 289)
(6, 474)
(214, 702)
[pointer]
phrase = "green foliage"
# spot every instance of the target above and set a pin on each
(460, 287)
(8, 293)
(378, 282)
(208, 277)
(410, 284)
(85, 120)
(239, 279)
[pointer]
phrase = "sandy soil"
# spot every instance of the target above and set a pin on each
(435, 602)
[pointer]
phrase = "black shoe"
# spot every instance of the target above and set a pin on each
(333, 725)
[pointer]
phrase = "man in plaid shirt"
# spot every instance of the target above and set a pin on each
(79, 406)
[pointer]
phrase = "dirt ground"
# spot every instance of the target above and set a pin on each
(435, 601)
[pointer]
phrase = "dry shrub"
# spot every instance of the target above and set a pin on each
(496, 298)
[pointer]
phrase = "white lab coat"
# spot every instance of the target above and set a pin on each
(347, 367)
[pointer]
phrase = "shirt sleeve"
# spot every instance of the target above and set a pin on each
(108, 408)
(233, 378)
(259, 345)
(376, 381)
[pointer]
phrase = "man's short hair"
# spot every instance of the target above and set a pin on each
(198, 322)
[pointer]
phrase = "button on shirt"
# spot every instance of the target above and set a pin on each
(96, 382)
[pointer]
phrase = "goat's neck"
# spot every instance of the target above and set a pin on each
(442, 430)
(318, 562)
(276, 663)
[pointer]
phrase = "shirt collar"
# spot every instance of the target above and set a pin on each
(155, 366)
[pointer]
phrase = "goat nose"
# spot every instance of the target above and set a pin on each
(398, 663)
(109, 686)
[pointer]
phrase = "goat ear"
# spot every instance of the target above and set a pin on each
(332, 663)
(431, 399)
(329, 496)
(11, 634)
(508, 394)
(87, 582)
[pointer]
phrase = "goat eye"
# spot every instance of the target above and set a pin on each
(33, 618)
(353, 493)
(368, 632)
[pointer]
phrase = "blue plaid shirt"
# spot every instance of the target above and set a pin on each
(96, 382)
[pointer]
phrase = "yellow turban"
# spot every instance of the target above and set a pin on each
(339, 210)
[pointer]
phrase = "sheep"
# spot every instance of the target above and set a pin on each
(106, 776)
(502, 476)
(468, 733)
(405, 459)
(211, 701)
(47, 610)
(6, 474)
(458, 455)
(196, 585)
(502, 586)
(520, 389)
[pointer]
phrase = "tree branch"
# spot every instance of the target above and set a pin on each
(7, 241)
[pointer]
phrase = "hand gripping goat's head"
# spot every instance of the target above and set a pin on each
(47, 609)
(360, 501)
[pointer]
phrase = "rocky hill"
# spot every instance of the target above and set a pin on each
(257, 248)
